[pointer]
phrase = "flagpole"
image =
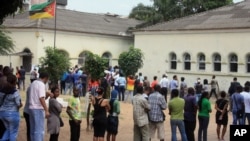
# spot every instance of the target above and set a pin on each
(55, 25)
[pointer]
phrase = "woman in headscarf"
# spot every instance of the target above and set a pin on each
(113, 120)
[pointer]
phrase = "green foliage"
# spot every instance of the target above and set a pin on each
(8, 7)
(55, 63)
(131, 61)
(6, 43)
(95, 65)
(165, 10)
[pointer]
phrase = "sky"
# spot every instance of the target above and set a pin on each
(120, 7)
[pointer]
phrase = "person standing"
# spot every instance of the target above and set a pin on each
(122, 86)
(62, 81)
(10, 103)
(101, 106)
(205, 86)
(190, 111)
(238, 106)
(164, 86)
(183, 87)
(198, 89)
(75, 115)
(33, 75)
(221, 115)
(176, 108)
(140, 116)
(130, 88)
(156, 116)
(54, 122)
(246, 96)
(69, 83)
(26, 113)
(155, 82)
(214, 84)
(174, 84)
(113, 120)
(146, 83)
(37, 107)
(22, 77)
(204, 107)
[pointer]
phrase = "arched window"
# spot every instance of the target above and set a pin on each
(248, 63)
(187, 61)
(64, 52)
(202, 61)
(108, 56)
(233, 63)
(173, 59)
(217, 62)
(82, 57)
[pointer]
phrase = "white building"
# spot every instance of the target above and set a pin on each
(104, 34)
(215, 42)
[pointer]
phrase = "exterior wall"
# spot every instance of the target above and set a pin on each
(73, 43)
(157, 47)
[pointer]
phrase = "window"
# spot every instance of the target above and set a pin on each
(108, 57)
(202, 62)
(248, 63)
(217, 62)
(173, 61)
(233, 63)
(187, 62)
(82, 57)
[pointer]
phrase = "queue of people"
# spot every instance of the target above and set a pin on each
(186, 105)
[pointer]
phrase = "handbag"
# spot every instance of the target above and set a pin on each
(240, 112)
(61, 122)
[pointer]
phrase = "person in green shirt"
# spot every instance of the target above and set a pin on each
(75, 116)
(203, 116)
(176, 111)
(113, 120)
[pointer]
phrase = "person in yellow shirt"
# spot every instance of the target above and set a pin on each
(130, 87)
(75, 116)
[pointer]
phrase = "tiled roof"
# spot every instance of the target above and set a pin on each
(235, 16)
(68, 20)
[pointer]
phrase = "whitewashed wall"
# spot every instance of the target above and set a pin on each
(157, 47)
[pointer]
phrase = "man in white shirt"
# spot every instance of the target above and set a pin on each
(164, 85)
(38, 107)
(246, 96)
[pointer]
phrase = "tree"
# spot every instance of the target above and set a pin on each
(6, 43)
(95, 65)
(165, 10)
(8, 7)
(131, 61)
(54, 63)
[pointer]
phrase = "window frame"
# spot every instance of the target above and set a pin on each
(202, 62)
(187, 61)
(173, 61)
(217, 62)
(233, 63)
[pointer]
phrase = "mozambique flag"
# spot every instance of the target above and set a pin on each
(43, 10)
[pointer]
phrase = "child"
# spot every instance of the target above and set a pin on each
(75, 117)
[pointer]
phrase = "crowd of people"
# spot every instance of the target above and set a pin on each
(186, 105)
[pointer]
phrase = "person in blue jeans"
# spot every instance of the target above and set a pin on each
(238, 104)
(10, 102)
(122, 87)
(38, 110)
(204, 107)
(176, 111)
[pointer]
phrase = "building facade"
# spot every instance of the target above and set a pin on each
(215, 42)
(76, 32)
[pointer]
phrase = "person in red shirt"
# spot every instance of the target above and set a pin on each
(155, 81)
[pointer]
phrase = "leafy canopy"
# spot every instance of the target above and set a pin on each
(8, 7)
(6, 43)
(164, 10)
(95, 65)
(54, 63)
(131, 61)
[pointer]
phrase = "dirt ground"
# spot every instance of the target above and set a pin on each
(125, 126)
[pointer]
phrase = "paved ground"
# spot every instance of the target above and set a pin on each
(125, 128)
